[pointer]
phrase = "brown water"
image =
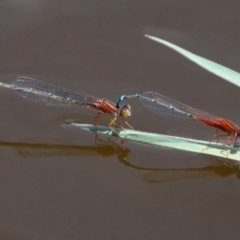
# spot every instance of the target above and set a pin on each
(61, 183)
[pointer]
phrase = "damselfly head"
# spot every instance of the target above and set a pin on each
(126, 111)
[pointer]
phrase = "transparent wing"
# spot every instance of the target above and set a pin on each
(35, 90)
(170, 108)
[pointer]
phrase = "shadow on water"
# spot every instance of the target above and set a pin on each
(100, 148)
(110, 148)
(169, 175)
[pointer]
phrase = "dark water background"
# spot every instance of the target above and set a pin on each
(56, 182)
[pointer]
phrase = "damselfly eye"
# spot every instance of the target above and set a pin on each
(127, 107)
(126, 111)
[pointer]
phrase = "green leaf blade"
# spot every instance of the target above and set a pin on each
(155, 139)
(213, 67)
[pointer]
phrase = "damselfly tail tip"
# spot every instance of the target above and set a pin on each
(119, 101)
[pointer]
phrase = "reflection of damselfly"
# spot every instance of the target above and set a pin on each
(100, 148)
(52, 95)
(170, 108)
(169, 175)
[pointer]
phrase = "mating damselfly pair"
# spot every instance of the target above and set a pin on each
(52, 95)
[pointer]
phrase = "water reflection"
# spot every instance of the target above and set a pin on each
(169, 175)
(111, 147)
(100, 148)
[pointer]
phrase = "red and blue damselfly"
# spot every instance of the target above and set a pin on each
(52, 95)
